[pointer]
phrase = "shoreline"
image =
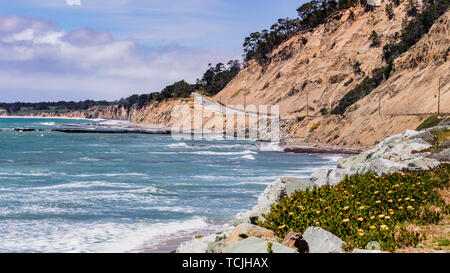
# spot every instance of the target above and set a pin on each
(127, 127)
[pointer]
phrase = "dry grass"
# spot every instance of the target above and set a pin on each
(437, 236)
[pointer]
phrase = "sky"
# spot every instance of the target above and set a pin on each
(53, 50)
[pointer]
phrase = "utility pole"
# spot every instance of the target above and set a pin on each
(379, 103)
(307, 103)
(245, 101)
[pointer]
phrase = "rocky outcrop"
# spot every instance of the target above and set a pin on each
(273, 193)
(244, 231)
(257, 245)
(322, 241)
(196, 245)
(394, 154)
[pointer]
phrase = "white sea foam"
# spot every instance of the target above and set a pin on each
(246, 152)
(249, 157)
(47, 123)
(332, 157)
(178, 145)
(271, 147)
(53, 236)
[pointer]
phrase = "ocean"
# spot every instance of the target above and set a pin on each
(127, 192)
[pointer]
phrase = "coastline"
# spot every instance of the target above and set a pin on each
(397, 153)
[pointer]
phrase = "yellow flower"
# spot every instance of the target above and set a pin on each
(400, 208)
(346, 208)
(412, 200)
(407, 198)
(372, 227)
(361, 234)
(318, 212)
(388, 217)
(391, 213)
(360, 219)
(389, 192)
(400, 200)
(410, 208)
(383, 227)
(381, 216)
(362, 207)
(377, 192)
(360, 230)
(281, 227)
(372, 217)
(291, 213)
(345, 220)
(390, 200)
(377, 202)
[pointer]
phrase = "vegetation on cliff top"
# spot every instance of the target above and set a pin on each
(411, 33)
(366, 208)
(259, 45)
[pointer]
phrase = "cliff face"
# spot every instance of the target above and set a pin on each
(320, 66)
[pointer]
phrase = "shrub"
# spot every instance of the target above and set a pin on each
(314, 127)
(431, 121)
(361, 90)
(366, 208)
(347, 83)
(375, 38)
(324, 111)
(390, 11)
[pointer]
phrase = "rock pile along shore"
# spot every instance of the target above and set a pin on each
(409, 151)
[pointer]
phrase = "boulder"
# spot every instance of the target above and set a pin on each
(320, 176)
(345, 163)
(322, 241)
(328, 176)
(244, 231)
(282, 187)
(256, 245)
(443, 156)
(381, 166)
(296, 242)
(196, 245)
(423, 164)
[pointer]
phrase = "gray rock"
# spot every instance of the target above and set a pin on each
(196, 245)
(216, 247)
(282, 187)
(320, 176)
(411, 133)
(256, 245)
(443, 156)
(322, 241)
(337, 175)
(381, 166)
(351, 161)
(423, 164)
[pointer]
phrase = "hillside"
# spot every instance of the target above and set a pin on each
(320, 65)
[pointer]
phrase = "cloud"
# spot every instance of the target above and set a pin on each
(73, 2)
(40, 62)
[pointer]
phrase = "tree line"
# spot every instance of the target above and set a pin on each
(212, 82)
(258, 45)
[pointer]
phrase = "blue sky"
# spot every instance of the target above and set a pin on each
(109, 49)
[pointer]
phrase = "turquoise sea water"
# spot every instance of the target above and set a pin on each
(113, 193)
